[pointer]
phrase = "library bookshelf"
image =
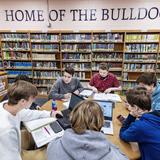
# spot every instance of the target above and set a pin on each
(3, 84)
(43, 56)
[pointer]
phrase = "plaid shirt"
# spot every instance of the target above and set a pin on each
(103, 84)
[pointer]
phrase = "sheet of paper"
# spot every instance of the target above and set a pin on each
(44, 135)
(107, 97)
(34, 124)
(86, 92)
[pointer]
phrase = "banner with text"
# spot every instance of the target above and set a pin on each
(79, 15)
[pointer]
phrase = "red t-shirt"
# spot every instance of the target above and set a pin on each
(103, 84)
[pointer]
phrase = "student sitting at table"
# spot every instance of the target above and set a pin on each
(20, 96)
(149, 81)
(64, 86)
(84, 140)
(146, 130)
(104, 81)
(27, 79)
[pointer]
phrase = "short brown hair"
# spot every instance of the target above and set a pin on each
(104, 66)
(21, 90)
(147, 79)
(140, 97)
(69, 70)
(87, 115)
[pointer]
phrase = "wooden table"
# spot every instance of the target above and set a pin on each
(130, 149)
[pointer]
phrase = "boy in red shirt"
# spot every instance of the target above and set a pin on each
(104, 81)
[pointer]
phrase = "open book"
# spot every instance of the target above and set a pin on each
(107, 97)
(44, 130)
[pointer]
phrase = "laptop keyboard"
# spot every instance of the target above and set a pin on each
(107, 124)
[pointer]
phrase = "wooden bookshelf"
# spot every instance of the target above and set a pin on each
(46, 59)
(76, 52)
(3, 84)
(140, 55)
(43, 56)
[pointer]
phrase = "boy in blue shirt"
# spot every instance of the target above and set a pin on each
(149, 81)
(146, 130)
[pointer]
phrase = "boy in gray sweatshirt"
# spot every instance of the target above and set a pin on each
(64, 86)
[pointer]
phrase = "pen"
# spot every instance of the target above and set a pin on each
(47, 130)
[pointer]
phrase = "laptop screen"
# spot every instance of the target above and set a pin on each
(107, 108)
(75, 99)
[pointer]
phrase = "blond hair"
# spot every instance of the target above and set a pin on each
(87, 115)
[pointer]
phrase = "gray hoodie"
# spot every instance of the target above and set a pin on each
(90, 145)
(60, 88)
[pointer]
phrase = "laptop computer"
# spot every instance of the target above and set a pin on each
(107, 108)
(65, 122)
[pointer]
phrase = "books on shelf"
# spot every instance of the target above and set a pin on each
(44, 37)
(43, 56)
(44, 130)
(141, 48)
(142, 37)
(139, 67)
(76, 37)
(108, 37)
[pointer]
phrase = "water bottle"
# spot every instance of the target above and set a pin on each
(54, 107)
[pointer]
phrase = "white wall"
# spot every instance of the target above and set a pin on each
(131, 19)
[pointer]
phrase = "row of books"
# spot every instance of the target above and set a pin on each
(76, 37)
(134, 57)
(141, 67)
(142, 38)
(15, 36)
(108, 37)
(103, 56)
(36, 56)
(75, 47)
(12, 64)
(44, 74)
(76, 56)
(44, 37)
(106, 47)
(16, 55)
(45, 47)
(15, 45)
(43, 81)
(45, 64)
(78, 66)
(127, 85)
(95, 65)
(15, 73)
(141, 48)
(80, 75)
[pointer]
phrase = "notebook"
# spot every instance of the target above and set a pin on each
(64, 122)
(44, 130)
(107, 108)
